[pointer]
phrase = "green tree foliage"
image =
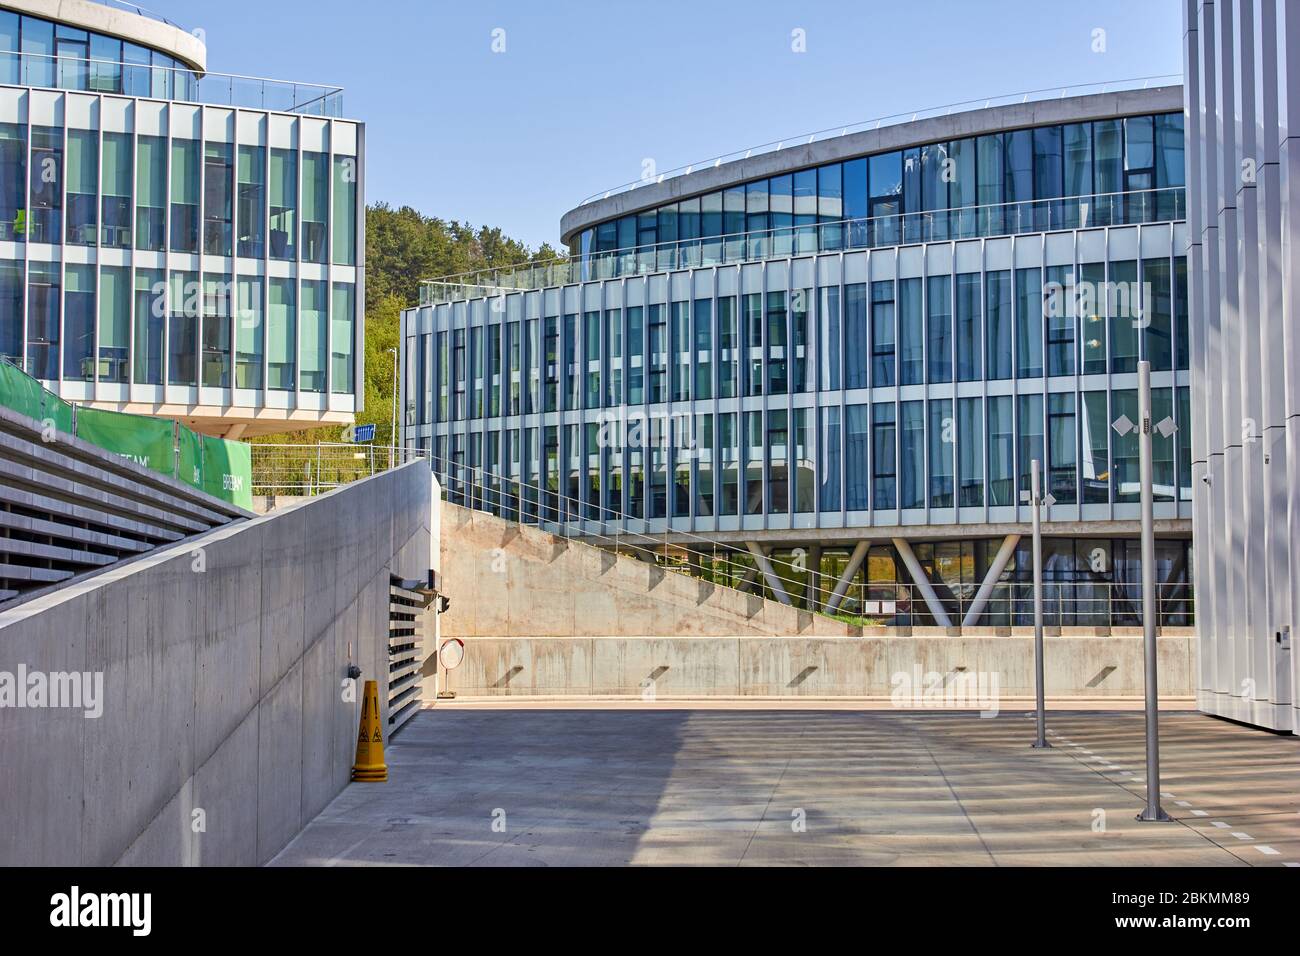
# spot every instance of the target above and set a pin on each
(404, 246)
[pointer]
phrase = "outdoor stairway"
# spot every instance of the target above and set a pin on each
(69, 508)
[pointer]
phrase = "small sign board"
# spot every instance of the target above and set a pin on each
(362, 433)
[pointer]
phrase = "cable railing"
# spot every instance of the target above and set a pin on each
(895, 119)
(168, 83)
(954, 224)
(301, 470)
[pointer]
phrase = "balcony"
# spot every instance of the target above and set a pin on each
(966, 222)
(168, 83)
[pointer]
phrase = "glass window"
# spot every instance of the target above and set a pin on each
(1096, 455)
(150, 193)
(1108, 170)
(312, 313)
(343, 324)
(13, 175)
(572, 372)
(777, 382)
(1181, 331)
(249, 332)
(1125, 479)
(591, 350)
(116, 204)
(252, 201)
(83, 186)
(778, 473)
(754, 455)
(150, 314)
(1157, 314)
(828, 340)
(681, 349)
(704, 350)
(217, 171)
(968, 327)
(704, 465)
(46, 172)
(185, 196)
(183, 329)
(9, 59)
(939, 328)
(943, 433)
(345, 210)
(857, 354)
(613, 358)
(805, 210)
(1029, 323)
(883, 467)
(911, 443)
(729, 465)
(1170, 170)
(997, 308)
(1030, 431)
(105, 64)
(635, 358)
(114, 322)
(781, 215)
(1001, 457)
(1124, 304)
(216, 331)
(1061, 447)
(315, 205)
(1017, 179)
(38, 52)
(936, 174)
(882, 333)
(857, 441)
(284, 203)
(1091, 307)
(733, 223)
(911, 333)
(281, 335)
(829, 458)
(970, 452)
(801, 465)
(1059, 300)
(79, 322)
(728, 349)
(855, 201)
(756, 219)
(135, 70)
(990, 192)
(11, 308)
(753, 304)
(44, 290)
(72, 50)
(885, 181)
(830, 205)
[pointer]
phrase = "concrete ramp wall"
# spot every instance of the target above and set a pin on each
(541, 615)
(224, 727)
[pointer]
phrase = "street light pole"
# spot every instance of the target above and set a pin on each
(1036, 502)
(1152, 811)
(392, 431)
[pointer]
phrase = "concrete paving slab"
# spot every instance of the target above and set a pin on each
(656, 785)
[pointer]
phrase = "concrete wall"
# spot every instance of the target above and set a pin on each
(543, 615)
(1082, 667)
(222, 687)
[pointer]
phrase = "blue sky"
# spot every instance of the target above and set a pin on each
(585, 92)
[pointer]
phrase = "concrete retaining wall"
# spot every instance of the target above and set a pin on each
(1084, 667)
(222, 687)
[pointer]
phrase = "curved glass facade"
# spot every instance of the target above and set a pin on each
(1120, 171)
(37, 52)
(819, 385)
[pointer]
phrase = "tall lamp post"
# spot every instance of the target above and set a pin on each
(392, 431)
(1036, 502)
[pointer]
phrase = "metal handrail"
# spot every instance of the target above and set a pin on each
(191, 79)
(572, 518)
(903, 228)
(893, 119)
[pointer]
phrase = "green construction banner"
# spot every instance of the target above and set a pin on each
(145, 441)
(191, 457)
(25, 395)
(228, 471)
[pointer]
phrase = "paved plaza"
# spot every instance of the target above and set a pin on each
(499, 783)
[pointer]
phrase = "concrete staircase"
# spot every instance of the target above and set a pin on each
(69, 508)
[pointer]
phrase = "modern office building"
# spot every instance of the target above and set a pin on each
(845, 353)
(174, 241)
(1243, 109)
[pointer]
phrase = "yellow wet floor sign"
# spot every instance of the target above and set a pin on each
(369, 766)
